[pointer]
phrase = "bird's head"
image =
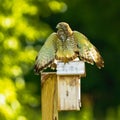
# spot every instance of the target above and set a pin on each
(64, 28)
(62, 25)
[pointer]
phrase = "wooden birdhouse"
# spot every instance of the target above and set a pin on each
(69, 84)
(61, 90)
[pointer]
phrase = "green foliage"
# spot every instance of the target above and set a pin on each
(24, 26)
(20, 31)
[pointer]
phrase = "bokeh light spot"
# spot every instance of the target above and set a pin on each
(8, 22)
(16, 70)
(56, 6)
(2, 99)
(11, 43)
(21, 118)
(15, 105)
(20, 83)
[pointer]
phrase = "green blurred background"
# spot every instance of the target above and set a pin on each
(24, 27)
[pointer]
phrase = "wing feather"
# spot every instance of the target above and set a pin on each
(87, 51)
(46, 54)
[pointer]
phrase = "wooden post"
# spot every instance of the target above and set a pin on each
(49, 96)
(61, 90)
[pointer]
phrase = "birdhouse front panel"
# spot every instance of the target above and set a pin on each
(69, 93)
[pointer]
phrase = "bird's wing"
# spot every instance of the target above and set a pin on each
(46, 54)
(87, 51)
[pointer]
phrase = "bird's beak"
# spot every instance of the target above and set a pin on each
(58, 26)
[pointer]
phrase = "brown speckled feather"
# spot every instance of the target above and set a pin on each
(87, 51)
(46, 54)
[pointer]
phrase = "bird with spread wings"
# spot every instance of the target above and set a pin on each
(66, 45)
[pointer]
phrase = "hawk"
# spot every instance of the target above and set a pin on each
(66, 45)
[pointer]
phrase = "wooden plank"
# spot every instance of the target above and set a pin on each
(49, 96)
(69, 94)
(71, 68)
